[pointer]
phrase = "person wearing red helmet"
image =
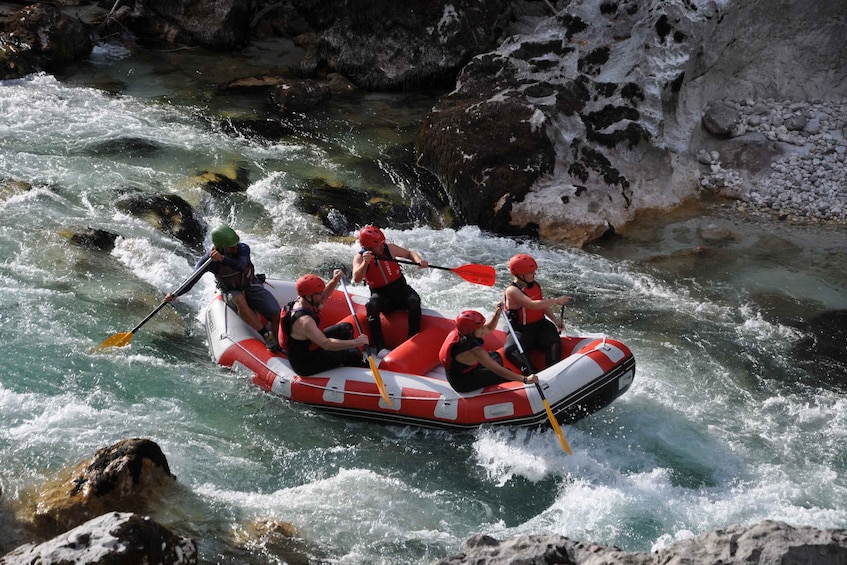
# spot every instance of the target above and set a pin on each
(531, 315)
(469, 366)
(389, 289)
(310, 350)
(241, 288)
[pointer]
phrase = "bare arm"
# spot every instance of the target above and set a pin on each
(360, 265)
(481, 356)
(308, 327)
(402, 252)
(518, 299)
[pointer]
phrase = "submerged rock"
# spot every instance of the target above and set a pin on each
(169, 213)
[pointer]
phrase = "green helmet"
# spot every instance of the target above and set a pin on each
(224, 236)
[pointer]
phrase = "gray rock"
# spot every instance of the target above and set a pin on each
(720, 118)
(768, 542)
(111, 539)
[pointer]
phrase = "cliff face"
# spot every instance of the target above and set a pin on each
(568, 119)
(620, 90)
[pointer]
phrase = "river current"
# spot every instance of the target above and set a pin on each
(727, 421)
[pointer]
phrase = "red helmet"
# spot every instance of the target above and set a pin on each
(468, 321)
(307, 285)
(522, 264)
(371, 236)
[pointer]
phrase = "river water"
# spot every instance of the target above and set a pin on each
(726, 422)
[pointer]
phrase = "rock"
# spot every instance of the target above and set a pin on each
(765, 542)
(299, 95)
(91, 238)
(215, 24)
(10, 188)
(226, 181)
(387, 46)
(487, 150)
(111, 539)
(41, 37)
(169, 213)
(720, 119)
(124, 477)
(821, 350)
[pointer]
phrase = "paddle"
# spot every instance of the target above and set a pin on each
(377, 377)
(550, 416)
(122, 339)
(477, 274)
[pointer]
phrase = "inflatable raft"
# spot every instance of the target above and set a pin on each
(592, 373)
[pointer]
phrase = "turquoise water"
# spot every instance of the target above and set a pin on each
(722, 425)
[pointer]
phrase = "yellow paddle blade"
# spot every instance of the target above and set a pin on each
(557, 429)
(378, 378)
(117, 340)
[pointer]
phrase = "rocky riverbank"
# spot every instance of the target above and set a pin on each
(783, 158)
(92, 514)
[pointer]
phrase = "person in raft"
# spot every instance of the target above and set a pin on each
(389, 290)
(469, 366)
(531, 315)
(240, 287)
(311, 350)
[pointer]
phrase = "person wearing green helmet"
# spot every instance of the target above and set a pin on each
(240, 287)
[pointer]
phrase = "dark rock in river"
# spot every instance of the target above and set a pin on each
(40, 37)
(169, 213)
(92, 238)
(823, 349)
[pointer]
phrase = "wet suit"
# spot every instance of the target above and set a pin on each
(389, 292)
(465, 378)
(307, 359)
(534, 332)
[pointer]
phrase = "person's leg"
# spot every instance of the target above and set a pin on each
(513, 354)
(413, 304)
(375, 306)
(261, 300)
(548, 339)
(344, 330)
(237, 300)
(323, 360)
(476, 379)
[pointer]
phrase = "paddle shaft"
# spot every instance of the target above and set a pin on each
(408, 262)
(195, 276)
(550, 416)
(477, 274)
(377, 377)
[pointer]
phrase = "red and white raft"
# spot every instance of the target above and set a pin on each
(592, 373)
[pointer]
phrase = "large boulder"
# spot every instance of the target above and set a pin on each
(214, 24)
(111, 539)
(389, 45)
(124, 477)
(40, 37)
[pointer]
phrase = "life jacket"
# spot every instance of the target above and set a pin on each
(228, 278)
(526, 316)
(296, 347)
(382, 273)
(447, 353)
